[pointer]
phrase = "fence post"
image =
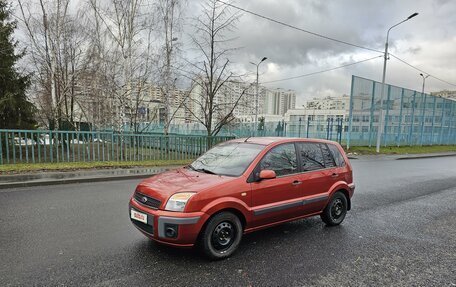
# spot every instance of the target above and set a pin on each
(422, 118)
(412, 122)
(308, 126)
(385, 134)
(327, 129)
(1, 149)
(350, 113)
(341, 130)
(398, 141)
(112, 145)
(442, 122)
(371, 115)
(433, 121)
(51, 151)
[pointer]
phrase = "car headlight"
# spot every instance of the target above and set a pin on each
(178, 201)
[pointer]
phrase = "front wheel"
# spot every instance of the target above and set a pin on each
(222, 235)
(334, 213)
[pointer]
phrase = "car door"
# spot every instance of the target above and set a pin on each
(277, 199)
(316, 178)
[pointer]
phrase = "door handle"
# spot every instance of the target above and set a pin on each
(296, 182)
(334, 175)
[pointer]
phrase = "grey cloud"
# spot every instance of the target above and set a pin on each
(426, 41)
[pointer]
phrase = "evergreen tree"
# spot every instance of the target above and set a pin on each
(16, 112)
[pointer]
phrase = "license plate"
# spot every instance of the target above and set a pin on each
(139, 216)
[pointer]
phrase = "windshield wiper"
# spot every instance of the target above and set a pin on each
(204, 170)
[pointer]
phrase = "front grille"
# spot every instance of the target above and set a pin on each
(147, 200)
(144, 227)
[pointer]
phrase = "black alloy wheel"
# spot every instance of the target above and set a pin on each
(336, 210)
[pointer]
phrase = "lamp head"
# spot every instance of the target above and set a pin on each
(413, 15)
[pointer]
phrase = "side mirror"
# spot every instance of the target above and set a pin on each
(267, 174)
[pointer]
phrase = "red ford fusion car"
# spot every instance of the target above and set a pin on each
(240, 186)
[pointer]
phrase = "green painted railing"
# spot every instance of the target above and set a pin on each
(39, 146)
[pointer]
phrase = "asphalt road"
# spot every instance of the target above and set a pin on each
(401, 231)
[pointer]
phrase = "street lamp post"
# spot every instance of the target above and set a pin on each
(256, 94)
(422, 120)
(380, 123)
(424, 81)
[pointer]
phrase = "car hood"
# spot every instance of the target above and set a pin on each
(163, 185)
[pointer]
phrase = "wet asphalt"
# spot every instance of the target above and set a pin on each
(401, 231)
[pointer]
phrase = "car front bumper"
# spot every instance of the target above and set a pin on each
(352, 187)
(186, 225)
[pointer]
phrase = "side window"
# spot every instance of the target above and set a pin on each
(327, 156)
(311, 156)
(338, 158)
(281, 159)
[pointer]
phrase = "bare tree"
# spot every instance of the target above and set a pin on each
(211, 39)
(55, 39)
(169, 22)
(124, 31)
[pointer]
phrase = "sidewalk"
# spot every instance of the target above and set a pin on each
(64, 177)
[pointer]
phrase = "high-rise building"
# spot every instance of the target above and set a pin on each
(277, 101)
(271, 102)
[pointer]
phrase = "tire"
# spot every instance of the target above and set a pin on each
(221, 236)
(334, 213)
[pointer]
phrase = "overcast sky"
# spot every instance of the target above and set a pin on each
(427, 41)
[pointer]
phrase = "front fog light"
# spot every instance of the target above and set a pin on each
(171, 230)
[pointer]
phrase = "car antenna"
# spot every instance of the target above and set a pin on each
(247, 139)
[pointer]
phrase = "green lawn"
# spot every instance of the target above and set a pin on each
(68, 166)
(403, 149)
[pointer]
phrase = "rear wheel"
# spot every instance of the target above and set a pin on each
(334, 213)
(222, 235)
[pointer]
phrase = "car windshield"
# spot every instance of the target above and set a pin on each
(230, 158)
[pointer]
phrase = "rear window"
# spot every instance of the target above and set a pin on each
(327, 156)
(338, 157)
(311, 156)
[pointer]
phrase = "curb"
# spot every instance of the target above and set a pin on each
(73, 180)
(425, 156)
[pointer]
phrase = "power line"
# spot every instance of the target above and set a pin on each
(323, 71)
(299, 29)
(329, 38)
(418, 69)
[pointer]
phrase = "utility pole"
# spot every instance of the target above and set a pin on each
(424, 97)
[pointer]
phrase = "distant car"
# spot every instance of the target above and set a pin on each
(76, 141)
(97, 140)
(241, 186)
(45, 139)
(23, 141)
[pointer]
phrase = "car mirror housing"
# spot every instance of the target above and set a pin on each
(267, 174)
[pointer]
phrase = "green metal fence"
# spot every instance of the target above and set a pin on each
(39, 146)
(410, 117)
